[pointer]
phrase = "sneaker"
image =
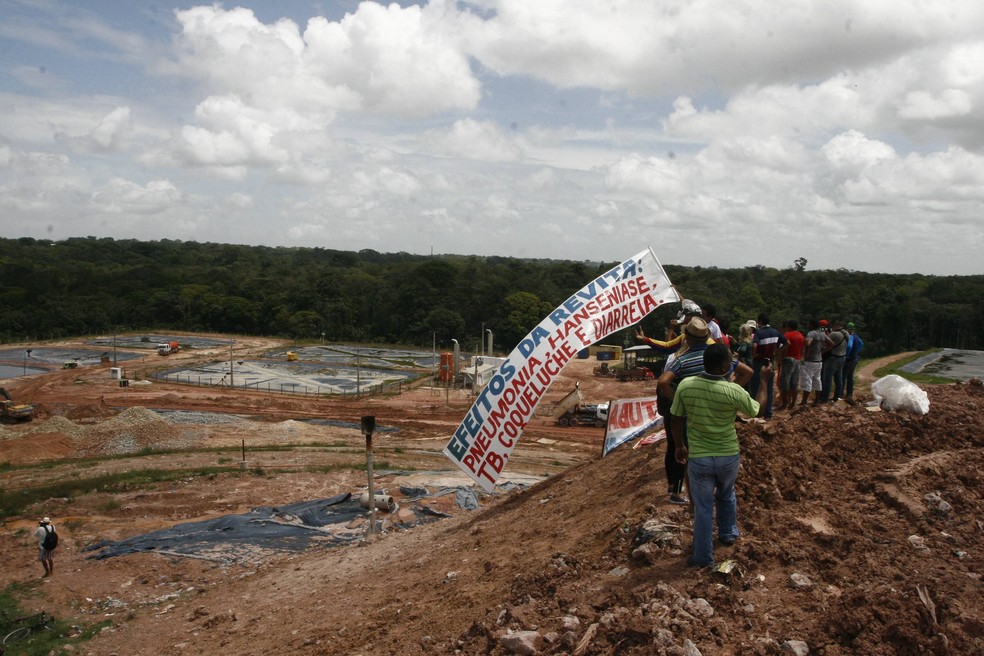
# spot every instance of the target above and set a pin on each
(728, 542)
(692, 563)
(679, 499)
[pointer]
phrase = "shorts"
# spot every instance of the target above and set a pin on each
(789, 374)
(810, 376)
(45, 554)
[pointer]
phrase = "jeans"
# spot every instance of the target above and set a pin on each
(833, 371)
(712, 486)
(849, 367)
(755, 382)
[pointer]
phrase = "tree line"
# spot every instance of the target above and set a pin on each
(98, 286)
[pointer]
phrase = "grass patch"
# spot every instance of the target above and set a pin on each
(109, 506)
(17, 501)
(927, 379)
(42, 641)
(83, 463)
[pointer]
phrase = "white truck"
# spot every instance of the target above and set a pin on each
(167, 348)
(573, 411)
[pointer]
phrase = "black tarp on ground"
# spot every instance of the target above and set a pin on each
(263, 531)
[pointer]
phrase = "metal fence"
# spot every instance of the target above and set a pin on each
(291, 389)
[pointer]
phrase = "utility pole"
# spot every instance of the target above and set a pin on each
(368, 426)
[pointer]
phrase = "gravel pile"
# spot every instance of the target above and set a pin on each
(198, 418)
(131, 431)
(59, 424)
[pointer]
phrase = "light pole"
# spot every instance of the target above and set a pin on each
(489, 349)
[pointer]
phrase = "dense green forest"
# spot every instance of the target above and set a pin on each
(89, 286)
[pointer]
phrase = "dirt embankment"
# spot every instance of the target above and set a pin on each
(861, 534)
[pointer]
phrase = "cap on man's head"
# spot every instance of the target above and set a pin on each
(45, 521)
(696, 328)
(824, 323)
(850, 325)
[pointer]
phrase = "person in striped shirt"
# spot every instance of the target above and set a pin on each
(768, 345)
(710, 403)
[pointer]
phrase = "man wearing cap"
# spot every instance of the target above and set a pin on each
(854, 346)
(46, 556)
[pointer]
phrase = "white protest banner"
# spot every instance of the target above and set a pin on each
(617, 299)
(629, 419)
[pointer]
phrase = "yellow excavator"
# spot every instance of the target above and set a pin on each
(14, 411)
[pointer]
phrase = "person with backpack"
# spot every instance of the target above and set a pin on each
(833, 366)
(854, 346)
(47, 543)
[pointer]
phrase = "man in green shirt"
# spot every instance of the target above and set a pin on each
(710, 402)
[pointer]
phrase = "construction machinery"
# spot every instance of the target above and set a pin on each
(634, 373)
(14, 411)
(573, 411)
(167, 348)
(604, 370)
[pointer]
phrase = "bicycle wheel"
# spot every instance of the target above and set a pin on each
(17, 634)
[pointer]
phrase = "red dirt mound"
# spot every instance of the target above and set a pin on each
(861, 534)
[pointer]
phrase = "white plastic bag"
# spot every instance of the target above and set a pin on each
(896, 393)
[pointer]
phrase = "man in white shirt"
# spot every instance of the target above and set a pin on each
(46, 556)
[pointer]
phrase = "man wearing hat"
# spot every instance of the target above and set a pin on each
(46, 556)
(854, 346)
(687, 363)
(674, 346)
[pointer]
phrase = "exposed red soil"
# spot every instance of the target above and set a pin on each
(861, 534)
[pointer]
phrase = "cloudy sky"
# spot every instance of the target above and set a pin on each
(720, 132)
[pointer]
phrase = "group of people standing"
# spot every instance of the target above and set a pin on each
(709, 378)
(822, 362)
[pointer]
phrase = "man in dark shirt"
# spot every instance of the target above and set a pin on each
(768, 345)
